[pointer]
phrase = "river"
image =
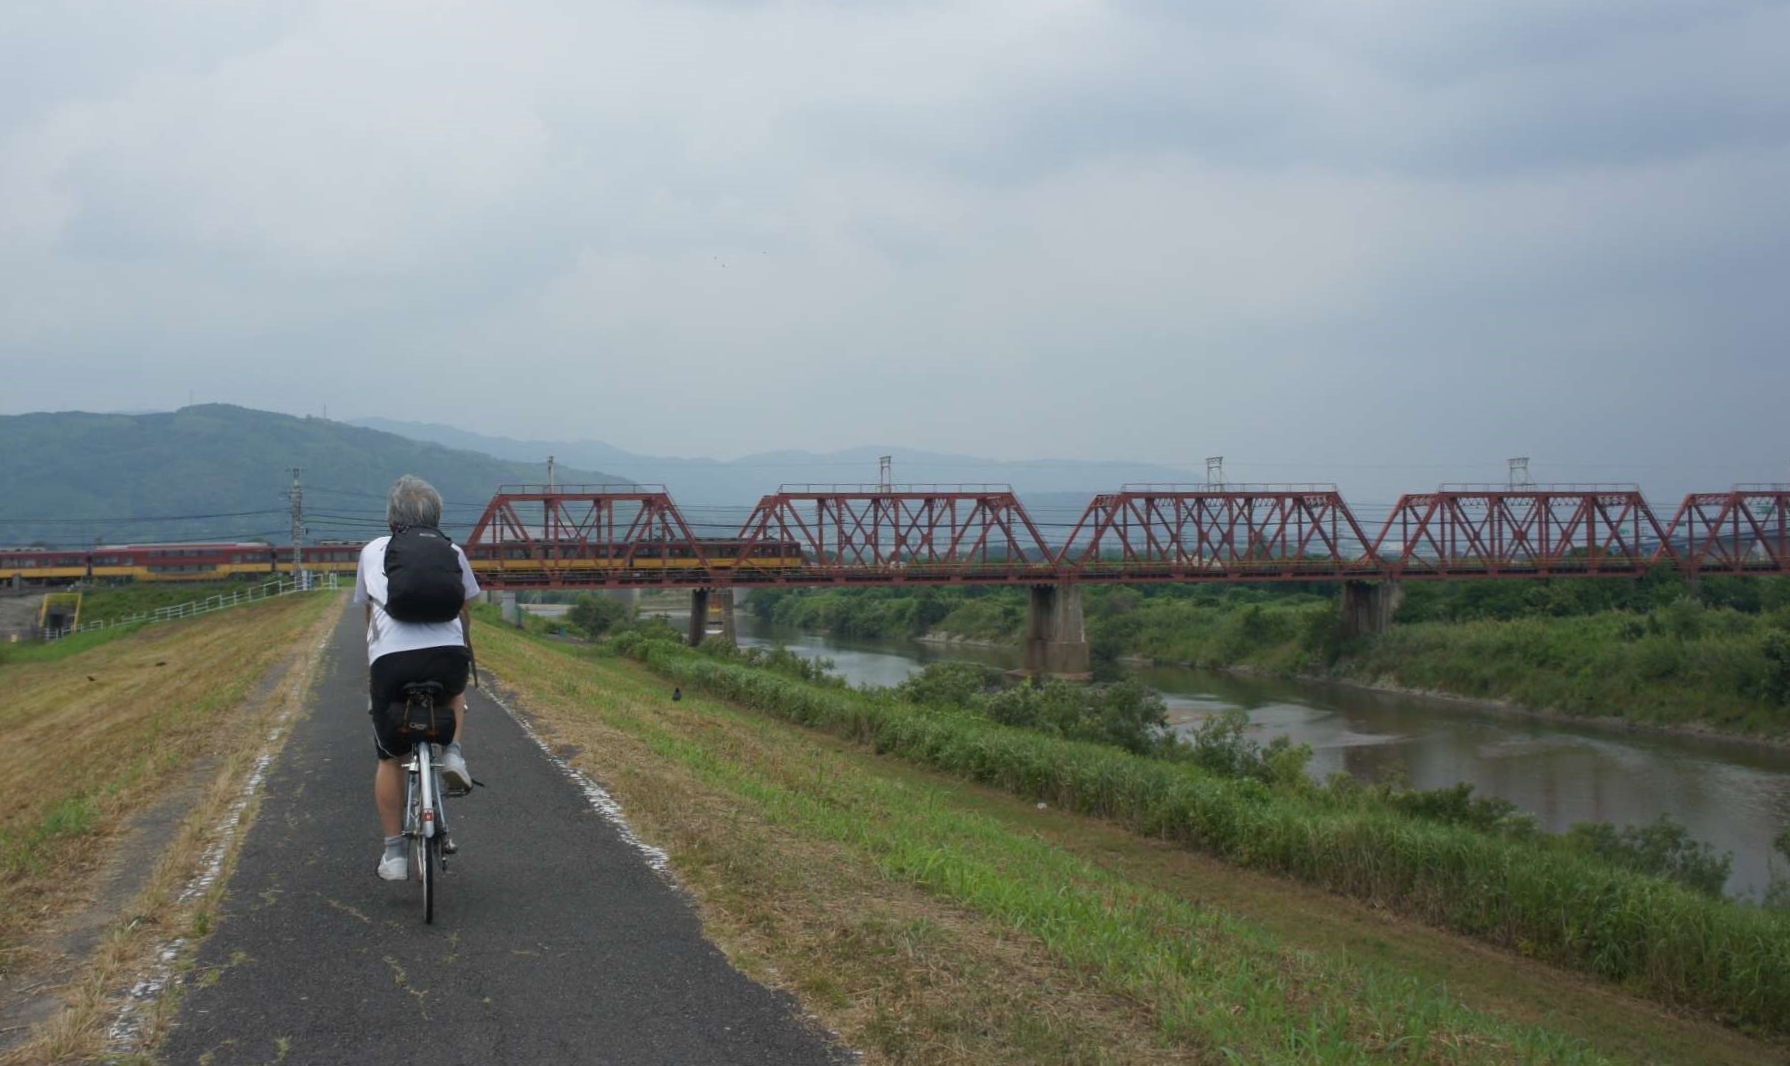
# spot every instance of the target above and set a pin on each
(1734, 796)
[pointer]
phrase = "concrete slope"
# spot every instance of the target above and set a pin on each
(18, 616)
(553, 941)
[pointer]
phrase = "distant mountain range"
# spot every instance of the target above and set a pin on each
(740, 482)
(217, 471)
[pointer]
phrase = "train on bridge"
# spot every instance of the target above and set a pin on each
(492, 564)
(629, 536)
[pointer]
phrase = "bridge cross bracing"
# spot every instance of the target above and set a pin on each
(630, 536)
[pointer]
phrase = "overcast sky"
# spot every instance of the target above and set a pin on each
(1322, 239)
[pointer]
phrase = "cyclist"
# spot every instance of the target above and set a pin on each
(401, 652)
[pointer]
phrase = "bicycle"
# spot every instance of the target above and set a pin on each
(425, 816)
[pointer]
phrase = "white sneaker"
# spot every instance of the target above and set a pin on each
(394, 869)
(453, 770)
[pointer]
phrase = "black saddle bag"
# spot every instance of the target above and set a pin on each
(419, 720)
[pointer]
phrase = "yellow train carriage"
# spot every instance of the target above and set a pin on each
(42, 566)
(578, 557)
(330, 557)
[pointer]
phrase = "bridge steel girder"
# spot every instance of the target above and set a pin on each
(621, 519)
(899, 535)
(1174, 533)
(1528, 532)
(1745, 530)
(869, 536)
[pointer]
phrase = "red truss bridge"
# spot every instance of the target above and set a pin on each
(634, 536)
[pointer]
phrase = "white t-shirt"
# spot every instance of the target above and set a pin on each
(386, 634)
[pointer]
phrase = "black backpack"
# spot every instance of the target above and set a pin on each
(422, 576)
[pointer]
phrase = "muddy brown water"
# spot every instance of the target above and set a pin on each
(1733, 795)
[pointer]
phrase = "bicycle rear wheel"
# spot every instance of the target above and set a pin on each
(429, 863)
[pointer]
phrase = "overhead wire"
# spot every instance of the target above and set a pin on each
(136, 519)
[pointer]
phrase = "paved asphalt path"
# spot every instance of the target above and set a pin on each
(553, 941)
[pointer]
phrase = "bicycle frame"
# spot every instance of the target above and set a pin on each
(421, 776)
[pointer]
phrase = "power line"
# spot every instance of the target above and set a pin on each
(135, 519)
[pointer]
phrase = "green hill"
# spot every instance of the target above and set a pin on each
(74, 477)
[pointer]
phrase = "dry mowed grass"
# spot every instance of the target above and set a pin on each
(87, 739)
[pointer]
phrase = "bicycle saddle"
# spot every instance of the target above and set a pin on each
(422, 688)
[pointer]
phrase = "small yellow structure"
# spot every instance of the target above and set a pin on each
(59, 613)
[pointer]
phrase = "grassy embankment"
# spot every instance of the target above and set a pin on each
(929, 920)
(1516, 890)
(112, 603)
(1655, 651)
(99, 727)
(115, 603)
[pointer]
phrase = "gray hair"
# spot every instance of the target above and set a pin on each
(413, 502)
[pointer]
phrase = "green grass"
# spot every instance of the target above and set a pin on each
(26, 851)
(112, 602)
(1537, 897)
(32, 652)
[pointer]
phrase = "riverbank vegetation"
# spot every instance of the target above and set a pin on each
(926, 919)
(1657, 650)
(1481, 873)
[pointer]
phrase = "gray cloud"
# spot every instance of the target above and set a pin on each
(1389, 235)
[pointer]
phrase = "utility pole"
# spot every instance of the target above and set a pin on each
(547, 531)
(298, 526)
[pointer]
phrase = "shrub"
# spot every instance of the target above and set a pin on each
(1665, 848)
(1126, 714)
(1777, 894)
(597, 615)
(1456, 805)
(1775, 647)
(949, 683)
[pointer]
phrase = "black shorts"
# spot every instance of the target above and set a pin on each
(449, 667)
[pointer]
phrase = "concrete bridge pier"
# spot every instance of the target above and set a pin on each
(730, 630)
(1056, 640)
(1368, 607)
(699, 615)
(508, 607)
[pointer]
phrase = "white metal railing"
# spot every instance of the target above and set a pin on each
(286, 586)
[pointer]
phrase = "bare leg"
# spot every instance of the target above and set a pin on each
(388, 795)
(459, 706)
